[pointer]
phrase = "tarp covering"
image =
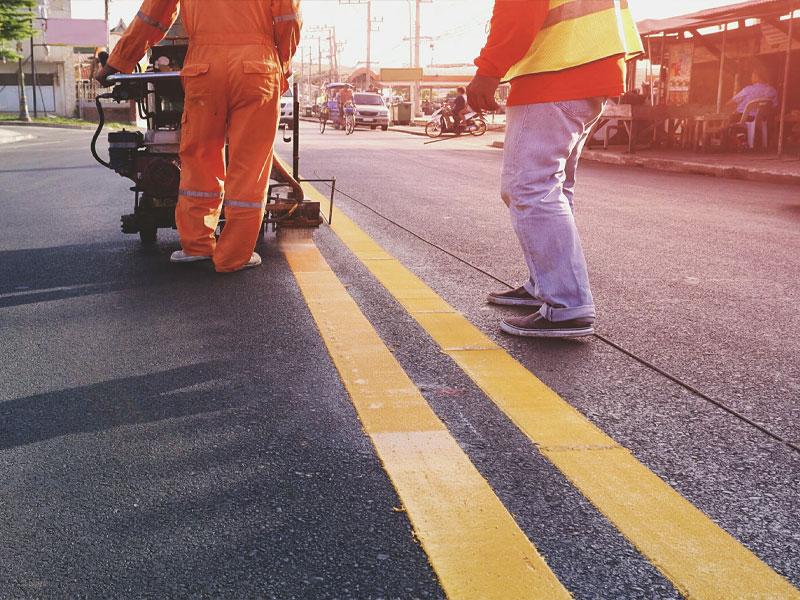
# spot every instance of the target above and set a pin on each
(753, 9)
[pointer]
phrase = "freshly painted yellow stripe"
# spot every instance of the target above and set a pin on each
(696, 555)
(476, 548)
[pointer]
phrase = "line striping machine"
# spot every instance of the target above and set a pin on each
(151, 158)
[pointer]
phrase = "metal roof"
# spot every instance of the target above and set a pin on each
(753, 9)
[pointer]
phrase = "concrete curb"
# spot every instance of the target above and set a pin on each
(681, 166)
(9, 137)
(47, 125)
(402, 129)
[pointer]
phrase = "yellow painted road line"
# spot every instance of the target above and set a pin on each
(696, 555)
(474, 545)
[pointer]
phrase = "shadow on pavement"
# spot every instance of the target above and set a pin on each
(60, 272)
(142, 399)
(51, 169)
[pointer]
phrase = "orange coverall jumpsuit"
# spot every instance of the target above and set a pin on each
(235, 71)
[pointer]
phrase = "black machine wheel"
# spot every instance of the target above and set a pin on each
(323, 122)
(262, 235)
(385, 127)
(148, 234)
(373, 127)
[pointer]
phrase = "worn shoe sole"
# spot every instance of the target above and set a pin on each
(253, 262)
(502, 301)
(547, 333)
(185, 258)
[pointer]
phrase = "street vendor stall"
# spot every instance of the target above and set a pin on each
(696, 63)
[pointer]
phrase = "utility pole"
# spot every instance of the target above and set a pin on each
(372, 25)
(415, 43)
(332, 51)
(331, 38)
(319, 56)
(339, 47)
(108, 28)
(335, 53)
(367, 76)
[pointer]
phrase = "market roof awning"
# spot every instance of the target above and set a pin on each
(753, 9)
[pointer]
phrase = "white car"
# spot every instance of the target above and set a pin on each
(287, 107)
(371, 111)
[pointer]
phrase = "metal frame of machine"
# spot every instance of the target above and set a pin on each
(151, 159)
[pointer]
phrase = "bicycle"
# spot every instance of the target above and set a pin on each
(349, 118)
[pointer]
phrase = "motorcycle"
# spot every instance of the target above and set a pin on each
(442, 122)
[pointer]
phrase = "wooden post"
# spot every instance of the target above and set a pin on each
(662, 87)
(722, 69)
(784, 100)
(650, 69)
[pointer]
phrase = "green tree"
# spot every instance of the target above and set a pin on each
(16, 23)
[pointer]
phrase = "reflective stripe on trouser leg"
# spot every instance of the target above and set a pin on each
(243, 204)
(202, 170)
(252, 125)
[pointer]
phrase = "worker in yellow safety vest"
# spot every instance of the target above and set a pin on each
(235, 71)
(564, 58)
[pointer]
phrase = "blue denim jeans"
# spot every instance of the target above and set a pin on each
(542, 148)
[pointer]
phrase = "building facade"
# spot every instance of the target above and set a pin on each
(55, 73)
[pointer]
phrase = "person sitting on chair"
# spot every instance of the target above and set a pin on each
(759, 89)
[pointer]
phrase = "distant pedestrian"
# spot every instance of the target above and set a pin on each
(563, 60)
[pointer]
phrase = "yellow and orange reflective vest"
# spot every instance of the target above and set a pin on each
(580, 32)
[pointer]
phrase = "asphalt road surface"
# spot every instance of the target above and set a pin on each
(168, 432)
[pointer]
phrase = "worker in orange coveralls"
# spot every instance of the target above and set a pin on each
(236, 69)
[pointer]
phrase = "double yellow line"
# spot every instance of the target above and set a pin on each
(473, 543)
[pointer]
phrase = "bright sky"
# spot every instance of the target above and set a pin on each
(457, 26)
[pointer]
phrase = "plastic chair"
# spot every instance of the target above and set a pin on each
(754, 120)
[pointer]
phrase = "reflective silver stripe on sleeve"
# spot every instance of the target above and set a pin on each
(290, 17)
(243, 204)
(152, 22)
(194, 194)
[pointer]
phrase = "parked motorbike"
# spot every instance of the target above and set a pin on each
(442, 122)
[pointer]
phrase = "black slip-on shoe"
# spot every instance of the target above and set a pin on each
(536, 325)
(517, 297)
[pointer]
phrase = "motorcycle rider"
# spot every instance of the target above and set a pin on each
(236, 69)
(459, 108)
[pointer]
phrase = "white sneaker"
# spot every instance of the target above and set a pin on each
(179, 256)
(255, 261)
